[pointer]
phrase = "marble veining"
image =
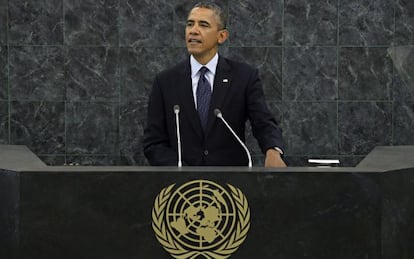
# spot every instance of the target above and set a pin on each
(4, 122)
(92, 73)
(36, 73)
(310, 22)
(3, 25)
(403, 123)
(133, 116)
(404, 22)
(39, 125)
(365, 73)
(138, 67)
(309, 73)
(364, 125)
(35, 22)
(255, 23)
(101, 58)
(4, 72)
(403, 60)
(142, 21)
(302, 136)
(366, 22)
(92, 128)
(90, 22)
(92, 160)
(269, 63)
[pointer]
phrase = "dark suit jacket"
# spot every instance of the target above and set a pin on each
(237, 92)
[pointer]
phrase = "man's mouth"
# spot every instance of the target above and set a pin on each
(194, 41)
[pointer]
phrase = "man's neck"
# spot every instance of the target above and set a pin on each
(203, 60)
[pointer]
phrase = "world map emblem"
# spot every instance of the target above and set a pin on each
(201, 219)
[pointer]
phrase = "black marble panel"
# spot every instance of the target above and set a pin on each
(92, 160)
(310, 22)
(365, 74)
(4, 73)
(255, 22)
(403, 58)
(9, 217)
(137, 160)
(3, 3)
(35, 22)
(366, 22)
(4, 122)
(310, 128)
(350, 161)
(38, 125)
(91, 22)
(3, 25)
(53, 160)
(132, 122)
(108, 215)
(146, 23)
(269, 63)
(181, 10)
(397, 214)
(92, 128)
(36, 73)
(92, 74)
(364, 125)
(310, 73)
(403, 123)
(404, 22)
(139, 66)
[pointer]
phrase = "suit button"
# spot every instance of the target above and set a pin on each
(206, 152)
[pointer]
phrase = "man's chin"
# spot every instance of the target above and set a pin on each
(192, 50)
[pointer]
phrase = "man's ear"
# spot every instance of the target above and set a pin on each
(223, 35)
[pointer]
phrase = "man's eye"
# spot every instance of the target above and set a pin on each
(189, 24)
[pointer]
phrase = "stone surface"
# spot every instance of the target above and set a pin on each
(354, 55)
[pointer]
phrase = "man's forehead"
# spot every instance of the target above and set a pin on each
(202, 14)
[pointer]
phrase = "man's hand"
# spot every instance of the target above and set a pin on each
(273, 159)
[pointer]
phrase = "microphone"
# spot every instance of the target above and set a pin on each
(218, 114)
(177, 123)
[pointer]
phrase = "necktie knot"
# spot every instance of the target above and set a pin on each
(203, 71)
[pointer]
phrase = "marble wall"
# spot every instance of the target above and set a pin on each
(75, 75)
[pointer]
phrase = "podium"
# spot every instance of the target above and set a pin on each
(296, 212)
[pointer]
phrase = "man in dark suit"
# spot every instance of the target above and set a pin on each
(199, 85)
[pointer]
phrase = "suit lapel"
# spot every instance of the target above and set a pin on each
(222, 83)
(186, 97)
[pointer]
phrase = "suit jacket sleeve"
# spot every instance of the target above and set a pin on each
(264, 126)
(157, 146)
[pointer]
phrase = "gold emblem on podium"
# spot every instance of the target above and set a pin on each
(201, 219)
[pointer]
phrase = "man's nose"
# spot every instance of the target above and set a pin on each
(194, 29)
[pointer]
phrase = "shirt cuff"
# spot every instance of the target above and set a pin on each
(279, 150)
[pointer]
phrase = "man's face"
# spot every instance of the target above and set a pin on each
(203, 34)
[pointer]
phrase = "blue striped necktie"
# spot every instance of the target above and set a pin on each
(203, 97)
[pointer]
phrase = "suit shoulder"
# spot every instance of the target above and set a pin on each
(240, 66)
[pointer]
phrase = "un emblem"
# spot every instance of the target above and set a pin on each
(201, 218)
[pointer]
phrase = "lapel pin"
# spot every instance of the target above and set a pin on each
(225, 80)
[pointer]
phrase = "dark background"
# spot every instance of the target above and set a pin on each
(75, 75)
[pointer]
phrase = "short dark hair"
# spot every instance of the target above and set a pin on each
(217, 11)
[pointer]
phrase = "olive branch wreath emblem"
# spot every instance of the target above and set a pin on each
(178, 251)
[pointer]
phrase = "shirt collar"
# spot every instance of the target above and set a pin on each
(211, 65)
